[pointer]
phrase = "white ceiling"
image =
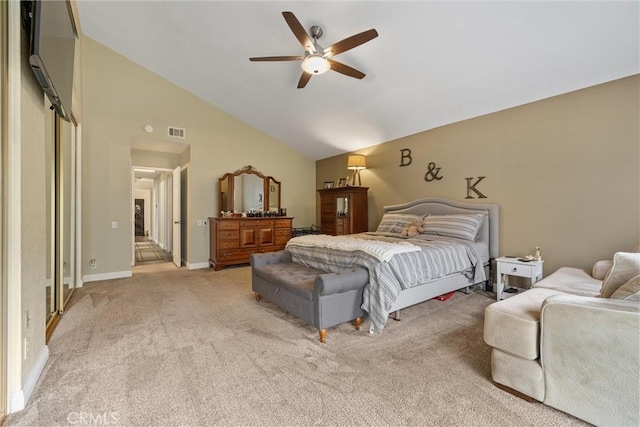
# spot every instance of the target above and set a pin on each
(434, 63)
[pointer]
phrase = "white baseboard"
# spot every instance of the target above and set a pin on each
(197, 265)
(16, 402)
(106, 276)
(20, 398)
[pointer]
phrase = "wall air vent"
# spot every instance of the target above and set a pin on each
(176, 132)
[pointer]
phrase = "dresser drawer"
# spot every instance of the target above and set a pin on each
(281, 241)
(256, 223)
(516, 269)
(328, 209)
(283, 232)
(224, 256)
(229, 225)
(229, 235)
(228, 244)
(328, 216)
(329, 229)
(272, 248)
(282, 223)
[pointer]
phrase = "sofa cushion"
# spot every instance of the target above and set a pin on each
(626, 265)
(601, 269)
(571, 280)
(512, 325)
(629, 291)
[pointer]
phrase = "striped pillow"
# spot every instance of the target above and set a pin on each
(395, 223)
(461, 226)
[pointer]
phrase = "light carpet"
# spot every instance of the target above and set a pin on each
(170, 346)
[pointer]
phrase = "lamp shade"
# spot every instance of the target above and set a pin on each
(315, 64)
(357, 162)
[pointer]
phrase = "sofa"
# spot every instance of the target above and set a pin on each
(572, 341)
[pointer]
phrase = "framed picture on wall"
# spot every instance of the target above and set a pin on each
(328, 184)
(342, 182)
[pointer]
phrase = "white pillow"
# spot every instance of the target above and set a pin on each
(461, 226)
(626, 265)
(630, 291)
(395, 223)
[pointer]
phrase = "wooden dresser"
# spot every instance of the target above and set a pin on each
(344, 210)
(232, 240)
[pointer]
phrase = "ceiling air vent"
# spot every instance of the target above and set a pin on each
(176, 132)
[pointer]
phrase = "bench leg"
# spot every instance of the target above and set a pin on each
(357, 323)
(258, 297)
(323, 336)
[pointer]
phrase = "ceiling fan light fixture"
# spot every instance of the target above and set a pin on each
(315, 64)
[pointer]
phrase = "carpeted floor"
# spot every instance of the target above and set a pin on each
(171, 346)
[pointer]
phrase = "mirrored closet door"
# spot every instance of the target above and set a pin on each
(61, 167)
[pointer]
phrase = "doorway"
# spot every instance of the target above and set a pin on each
(155, 215)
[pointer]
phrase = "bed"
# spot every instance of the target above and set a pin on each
(454, 252)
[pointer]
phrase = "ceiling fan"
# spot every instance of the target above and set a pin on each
(316, 59)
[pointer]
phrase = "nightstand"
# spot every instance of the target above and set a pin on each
(512, 267)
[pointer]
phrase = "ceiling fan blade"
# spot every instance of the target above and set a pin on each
(277, 58)
(345, 69)
(299, 31)
(304, 79)
(351, 42)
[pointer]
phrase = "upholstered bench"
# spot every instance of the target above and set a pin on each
(321, 299)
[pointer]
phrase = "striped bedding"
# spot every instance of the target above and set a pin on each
(439, 257)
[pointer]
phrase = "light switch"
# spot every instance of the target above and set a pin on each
(114, 224)
(199, 223)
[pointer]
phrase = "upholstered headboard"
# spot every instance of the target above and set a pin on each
(489, 231)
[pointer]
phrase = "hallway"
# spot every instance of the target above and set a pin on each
(147, 252)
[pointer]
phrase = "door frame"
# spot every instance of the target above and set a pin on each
(176, 211)
(4, 60)
(152, 208)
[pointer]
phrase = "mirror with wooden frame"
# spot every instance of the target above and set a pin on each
(248, 190)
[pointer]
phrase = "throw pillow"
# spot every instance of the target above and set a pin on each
(395, 223)
(626, 265)
(630, 291)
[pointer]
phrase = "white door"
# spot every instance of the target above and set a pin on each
(177, 219)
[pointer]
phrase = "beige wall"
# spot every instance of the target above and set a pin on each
(34, 214)
(154, 159)
(119, 98)
(564, 170)
(32, 228)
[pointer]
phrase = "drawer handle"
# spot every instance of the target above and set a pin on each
(514, 269)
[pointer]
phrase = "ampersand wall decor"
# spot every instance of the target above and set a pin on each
(432, 173)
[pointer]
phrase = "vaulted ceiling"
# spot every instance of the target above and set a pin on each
(434, 63)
